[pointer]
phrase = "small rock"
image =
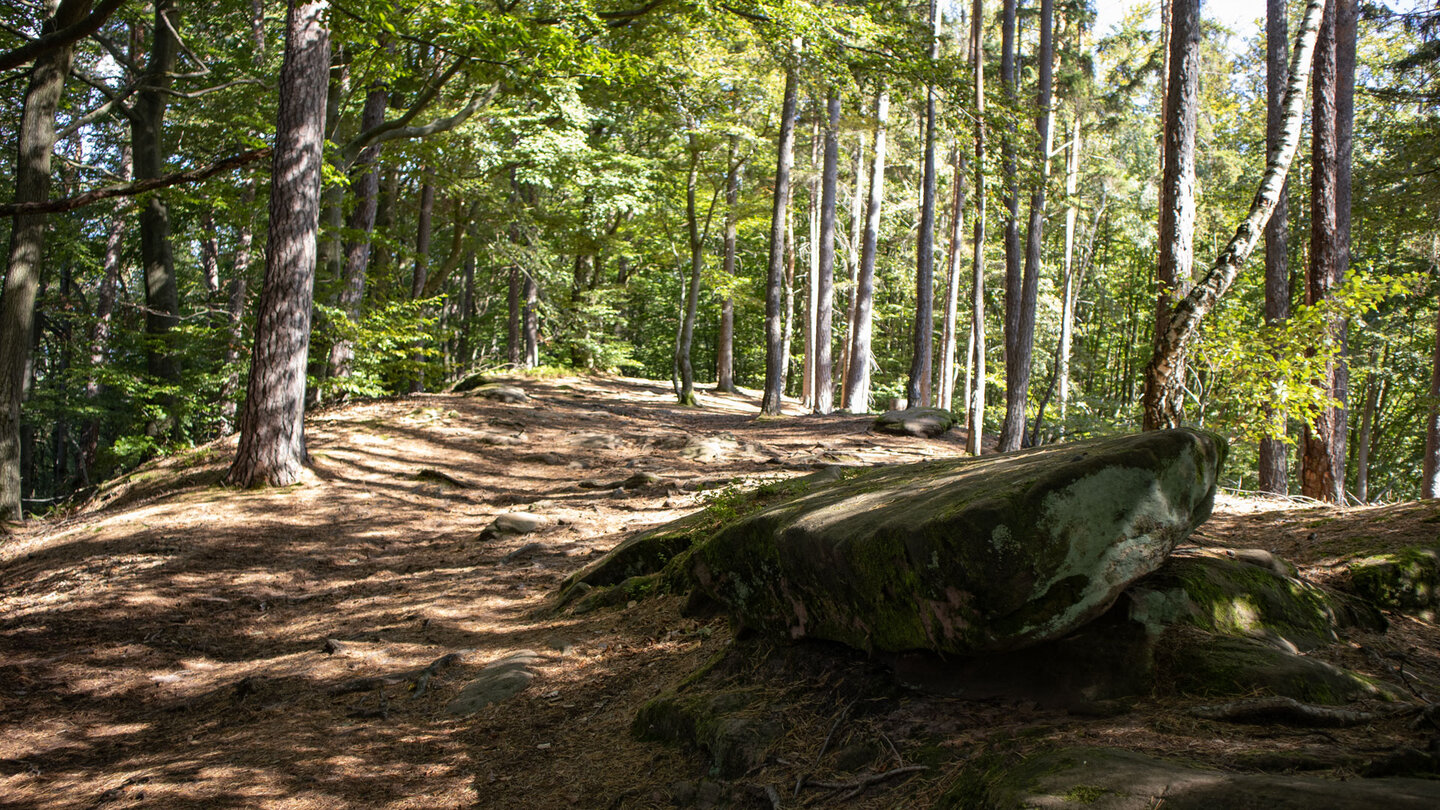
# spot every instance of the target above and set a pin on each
(499, 680)
(519, 523)
(497, 392)
(598, 441)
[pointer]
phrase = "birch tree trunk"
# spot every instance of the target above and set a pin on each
(272, 426)
(1163, 375)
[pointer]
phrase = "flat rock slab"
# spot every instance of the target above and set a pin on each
(1110, 779)
(965, 555)
(509, 394)
(499, 680)
(923, 422)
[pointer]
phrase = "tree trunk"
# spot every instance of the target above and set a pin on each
(1020, 347)
(776, 360)
(917, 388)
(418, 276)
(946, 395)
(147, 123)
(1011, 197)
(235, 315)
(857, 372)
(1163, 376)
(359, 227)
(1323, 468)
(105, 298)
(1373, 384)
(35, 140)
(975, 407)
(1274, 452)
(272, 427)
(1430, 475)
(1068, 287)
(812, 278)
(697, 268)
(532, 321)
(852, 261)
(825, 285)
(725, 351)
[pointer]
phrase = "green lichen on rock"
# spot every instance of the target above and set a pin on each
(1406, 580)
(965, 555)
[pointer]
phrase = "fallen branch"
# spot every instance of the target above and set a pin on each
(859, 785)
(1283, 710)
(137, 187)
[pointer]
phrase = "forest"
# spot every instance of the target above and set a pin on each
(221, 216)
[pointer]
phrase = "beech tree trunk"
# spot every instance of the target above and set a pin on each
(532, 321)
(1274, 452)
(419, 274)
(812, 278)
(857, 373)
(1323, 469)
(35, 140)
(917, 389)
(360, 226)
(272, 426)
(945, 397)
(235, 314)
(697, 267)
(975, 408)
(147, 128)
(1011, 199)
(105, 298)
(825, 285)
(1020, 348)
(852, 261)
(725, 351)
(1068, 286)
(1163, 376)
(776, 360)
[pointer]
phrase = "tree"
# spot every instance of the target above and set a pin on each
(1020, 345)
(1014, 423)
(1274, 451)
(35, 140)
(857, 368)
(272, 425)
(824, 388)
(1164, 374)
(725, 351)
(360, 226)
(776, 358)
(975, 408)
(1323, 470)
(917, 389)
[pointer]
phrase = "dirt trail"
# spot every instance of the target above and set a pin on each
(180, 645)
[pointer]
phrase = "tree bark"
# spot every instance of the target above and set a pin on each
(1068, 287)
(1373, 384)
(235, 314)
(824, 387)
(1274, 452)
(1430, 468)
(1163, 375)
(946, 395)
(697, 267)
(1020, 347)
(852, 261)
(1323, 467)
(35, 140)
(812, 278)
(725, 351)
(918, 387)
(975, 407)
(776, 360)
(272, 426)
(360, 226)
(857, 372)
(532, 321)
(105, 298)
(147, 129)
(418, 275)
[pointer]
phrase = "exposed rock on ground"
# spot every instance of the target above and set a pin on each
(924, 422)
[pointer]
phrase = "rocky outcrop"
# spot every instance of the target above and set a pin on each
(924, 422)
(964, 555)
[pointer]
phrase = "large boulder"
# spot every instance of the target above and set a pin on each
(964, 555)
(923, 422)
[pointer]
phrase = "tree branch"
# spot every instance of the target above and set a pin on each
(137, 187)
(394, 130)
(58, 39)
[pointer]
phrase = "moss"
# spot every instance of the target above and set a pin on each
(1087, 794)
(1406, 580)
(1208, 665)
(735, 727)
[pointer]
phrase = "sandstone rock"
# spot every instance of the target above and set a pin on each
(924, 422)
(965, 555)
(498, 392)
(499, 680)
(517, 523)
(1406, 580)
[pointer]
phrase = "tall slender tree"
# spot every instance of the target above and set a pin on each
(1274, 451)
(272, 426)
(975, 408)
(917, 388)
(776, 355)
(725, 350)
(857, 370)
(1011, 199)
(824, 388)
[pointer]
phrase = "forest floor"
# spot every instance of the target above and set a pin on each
(179, 644)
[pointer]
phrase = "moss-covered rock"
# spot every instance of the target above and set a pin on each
(1406, 580)
(1194, 662)
(965, 555)
(925, 422)
(736, 728)
(1247, 595)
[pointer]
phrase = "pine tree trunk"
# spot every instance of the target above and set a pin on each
(918, 387)
(1430, 474)
(360, 227)
(975, 406)
(1019, 348)
(776, 359)
(857, 372)
(1013, 257)
(35, 139)
(1323, 468)
(825, 284)
(272, 427)
(1068, 291)
(1164, 374)
(1274, 452)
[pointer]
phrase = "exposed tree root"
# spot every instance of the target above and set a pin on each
(1282, 710)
